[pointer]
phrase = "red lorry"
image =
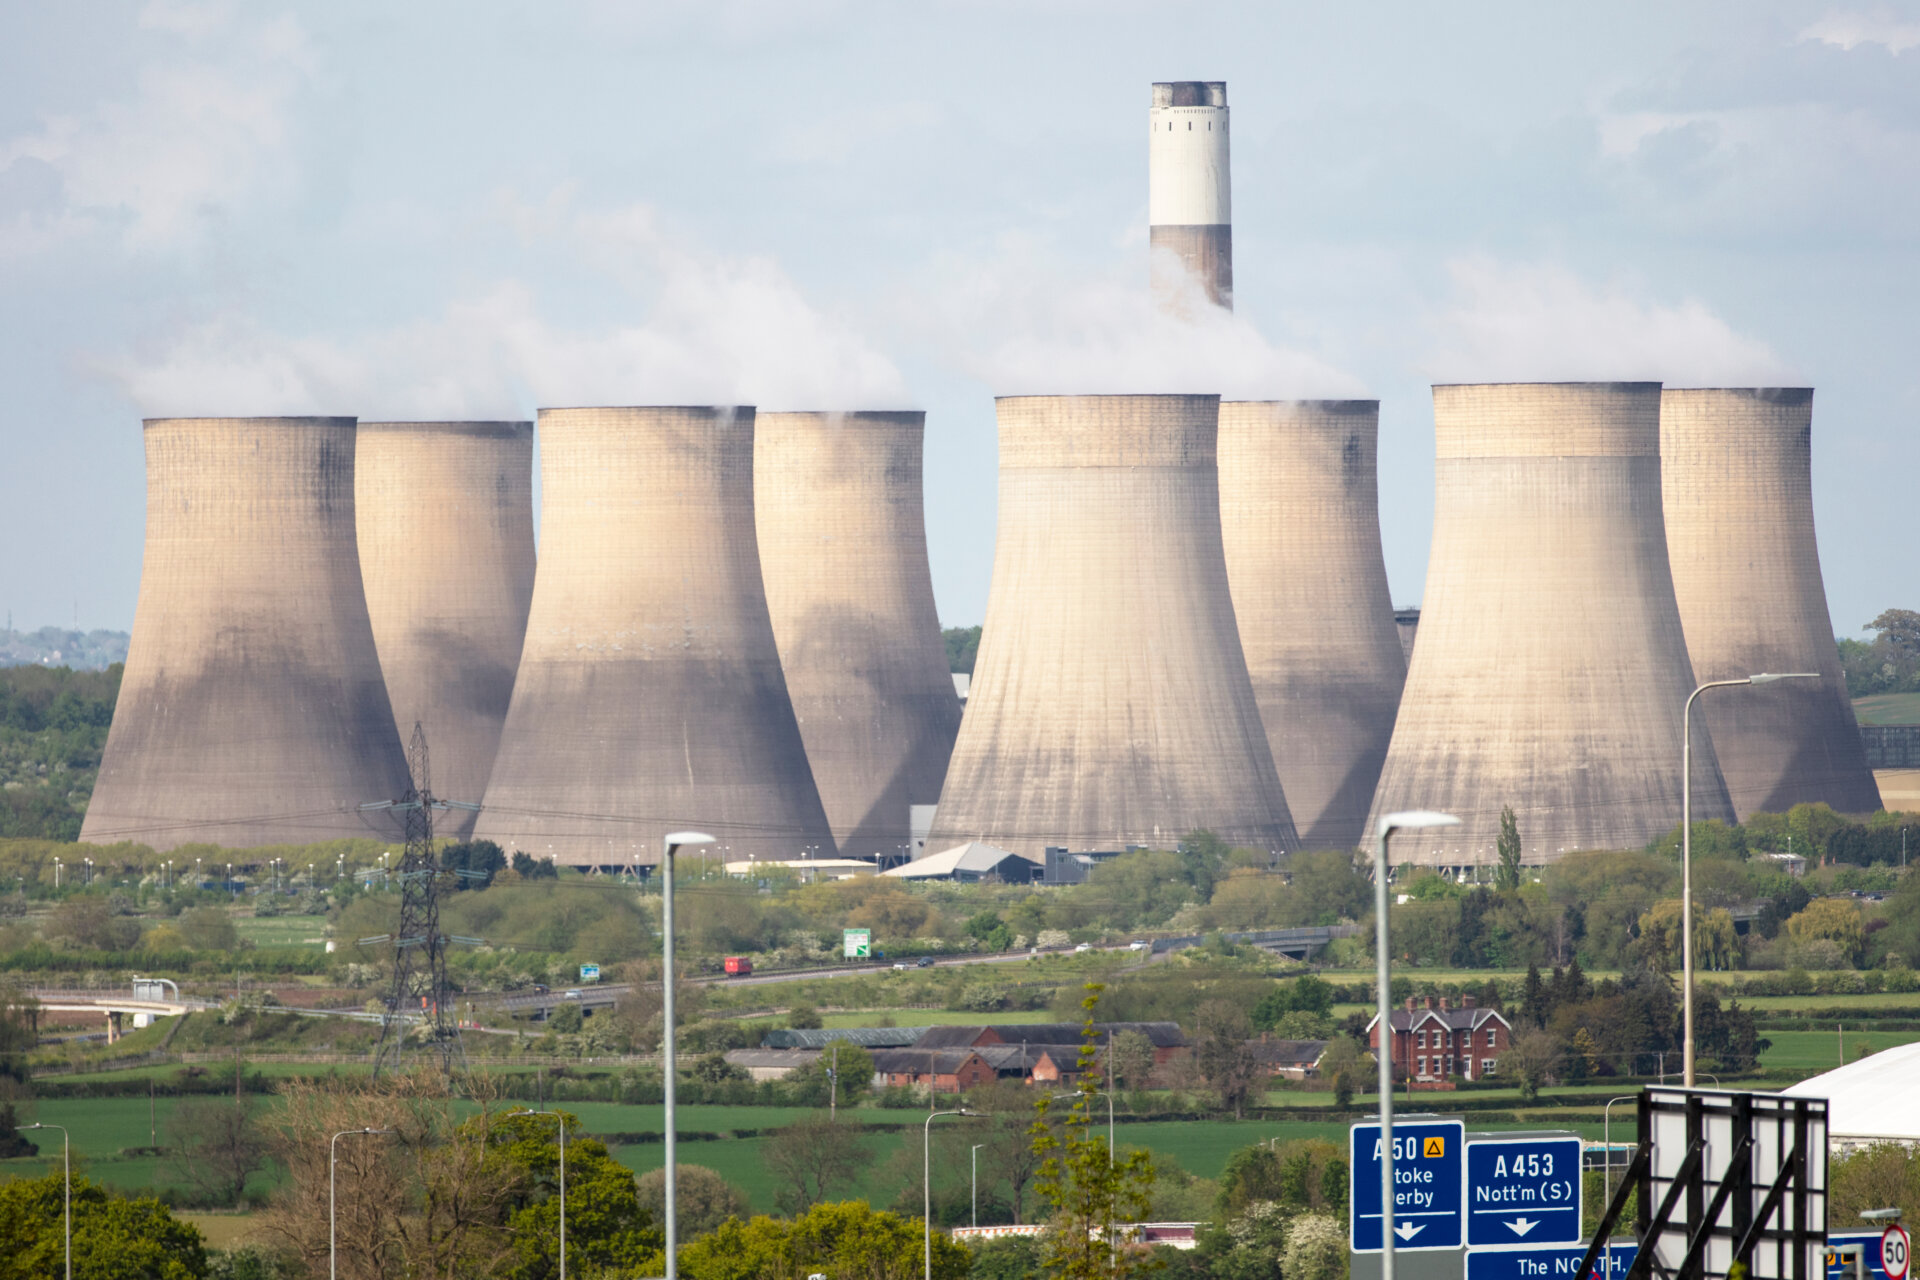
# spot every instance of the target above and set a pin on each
(738, 966)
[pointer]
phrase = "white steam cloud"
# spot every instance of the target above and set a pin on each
(1519, 323)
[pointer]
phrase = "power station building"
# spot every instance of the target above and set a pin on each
(1300, 517)
(445, 515)
(1551, 668)
(1190, 190)
(252, 710)
(650, 697)
(1110, 702)
(1736, 470)
(843, 551)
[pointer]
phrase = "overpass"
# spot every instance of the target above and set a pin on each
(149, 996)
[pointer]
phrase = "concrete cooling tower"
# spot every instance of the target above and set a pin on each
(252, 710)
(1736, 470)
(1300, 514)
(1551, 669)
(445, 514)
(649, 697)
(1110, 702)
(843, 550)
(1190, 188)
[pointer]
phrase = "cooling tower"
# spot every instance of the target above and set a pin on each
(1190, 189)
(1300, 514)
(649, 697)
(445, 515)
(843, 550)
(252, 710)
(1736, 471)
(1551, 669)
(1110, 702)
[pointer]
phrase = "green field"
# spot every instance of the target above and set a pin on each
(1888, 708)
(282, 931)
(1815, 1051)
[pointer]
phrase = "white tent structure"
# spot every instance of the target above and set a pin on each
(972, 861)
(1872, 1100)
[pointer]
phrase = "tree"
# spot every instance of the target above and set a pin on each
(1316, 1249)
(1008, 1157)
(1508, 847)
(1531, 1059)
(808, 1160)
(1252, 1174)
(963, 645)
(1345, 1068)
(1130, 1054)
(19, 1036)
(609, 1230)
(852, 1078)
(803, 1017)
(1881, 1176)
(207, 929)
(848, 1239)
(1226, 1059)
(531, 868)
(474, 863)
(713, 1068)
(113, 1238)
(705, 1199)
(1087, 1188)
(215, 1145)
(1834, 920)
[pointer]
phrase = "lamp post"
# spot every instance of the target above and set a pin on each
(66, 1165)
(333, 1147)
(1414, 820)
(673, 841)
(1686, 845)
(926, 1177)
(1113, 1244)
(976, 1182)
(563, 1182)
(1606, 1138)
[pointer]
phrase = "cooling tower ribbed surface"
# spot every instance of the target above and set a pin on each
(445, 514)
(649, 697)
(1190, 189)
(843, 550)
(252, 710)
(1551, 669)
(1110, 702)
(1300, 515)
(1736, 471)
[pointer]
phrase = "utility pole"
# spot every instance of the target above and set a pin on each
(419, 948)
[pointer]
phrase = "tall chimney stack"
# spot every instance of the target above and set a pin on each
(1189, 189)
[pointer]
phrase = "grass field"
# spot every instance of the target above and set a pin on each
(1888, 708)
(282, 931)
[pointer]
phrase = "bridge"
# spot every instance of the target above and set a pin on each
(149, 996)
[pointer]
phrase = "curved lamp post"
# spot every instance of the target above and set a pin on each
(66, 1165)
(333, 1260)
(926, 1177)
(1414, 820)
(563, 1181)
(673, 842)
(1686, 842)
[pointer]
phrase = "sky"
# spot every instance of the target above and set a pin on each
(441, 210)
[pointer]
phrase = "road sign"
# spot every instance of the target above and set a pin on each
(1895, 1249)
(1547, 1264)
(857, 944)
(589, 973)
(1854, 1255)
(1523, 1192)
(1429, 1157)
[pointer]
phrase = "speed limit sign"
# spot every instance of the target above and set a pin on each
(1894, 1250)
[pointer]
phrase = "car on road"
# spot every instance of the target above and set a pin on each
(571, 995)
(540, 988)
(1085, 946)
(1137, 945)
(924, 962)
(901, 964)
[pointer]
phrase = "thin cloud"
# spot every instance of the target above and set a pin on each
(1849, 29)
(1510, 322)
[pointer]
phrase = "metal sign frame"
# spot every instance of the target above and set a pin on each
(1724, 1176)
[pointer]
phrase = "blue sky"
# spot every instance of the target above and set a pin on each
(462, 210)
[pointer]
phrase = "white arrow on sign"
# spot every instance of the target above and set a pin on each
(1407, 1230)
(1520, 1226)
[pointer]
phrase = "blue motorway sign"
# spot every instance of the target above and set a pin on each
(1428, 1204)
(1548, 1264)
(1840, 1262)
(1523, 1191)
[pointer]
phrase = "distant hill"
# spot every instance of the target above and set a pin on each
(1888, 708)
(52, 647)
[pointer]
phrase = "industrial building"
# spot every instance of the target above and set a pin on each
(1110, 702)
(650, 697)
(1300, 519)
(252, 710)
(1551, 669)
(1190, 190)
(843, 551)
(445, 518)
(1736, 472)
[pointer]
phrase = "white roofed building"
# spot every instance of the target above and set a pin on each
(1874, 1099)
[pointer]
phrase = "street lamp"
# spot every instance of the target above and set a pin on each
(1414, 820)
(926, 1177)
(563, 1182)
(66, 1164)
(333, 1147)
(976, 1182)
(1686, 843)
(673, 841)
(1606, 1139)
(1112, 1240)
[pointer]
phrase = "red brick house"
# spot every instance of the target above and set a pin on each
(1434, 1040)
(1166, 1037)
(941, 1070)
